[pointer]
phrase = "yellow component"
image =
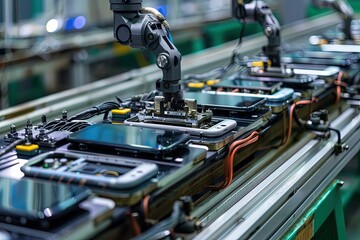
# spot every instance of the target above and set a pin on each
(257, 64)
(269, 63)
(121, 111)
(121, 50)
(117, 123)
(196, 85)
(27, 148)
(323, 41)
(306, 232)
(212, 82)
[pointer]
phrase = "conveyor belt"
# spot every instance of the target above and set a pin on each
(274, 204)
(143, 80)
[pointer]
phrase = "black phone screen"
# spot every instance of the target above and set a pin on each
(36, 204)
(233, 82)
(129, 138)
(226, 102)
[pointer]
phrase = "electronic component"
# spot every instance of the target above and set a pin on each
(42, 210)
(130, 139)
(107, 172)
(27, 149)
(246, 86)
(214, 128)
(226, 102)
(321, 58)
(282, 95)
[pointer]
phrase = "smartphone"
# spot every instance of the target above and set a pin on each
(225, 102)
(296, 81)
(321, 58)
(105, 172)
(282, 95)
(348, 48)
(218, 127)
(130, 139)
(247, 86)
(317, 70)
(36, 204)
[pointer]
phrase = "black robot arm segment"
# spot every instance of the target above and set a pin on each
(142, 28)
(342, 7)
(259, 11)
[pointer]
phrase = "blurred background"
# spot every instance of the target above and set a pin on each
(48, 46)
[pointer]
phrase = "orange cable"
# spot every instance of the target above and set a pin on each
(291, 113)
(338, 84)
(135, 225)
(231, 160)
(145, 203)
(228, 163)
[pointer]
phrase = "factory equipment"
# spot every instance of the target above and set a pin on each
(252, 153)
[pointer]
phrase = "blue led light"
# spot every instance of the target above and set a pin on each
(79, 22)
(75, 23)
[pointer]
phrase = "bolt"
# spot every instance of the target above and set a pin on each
(29, 123)
(269, 31)
(151, 36)
(12, 129)
(43, 119)
(188, 204)
(64, 114)
(162, 61)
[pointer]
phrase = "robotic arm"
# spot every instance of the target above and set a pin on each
(342, 7)
(146, 28)
(258, 11)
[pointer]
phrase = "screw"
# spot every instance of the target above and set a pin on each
(150, 36)
(64, 114)
(269, 31)
(162, 61)
(12, 129)
(43, 118)
(29, 123)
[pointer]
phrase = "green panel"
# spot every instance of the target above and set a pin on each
(37, 7)
(26, 90)
(327, 213)
(219, 33)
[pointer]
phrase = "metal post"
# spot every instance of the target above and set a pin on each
(8, 23)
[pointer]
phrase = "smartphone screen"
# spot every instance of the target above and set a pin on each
(249, 85)
(37, 204)
(225, 102)
(129, 138)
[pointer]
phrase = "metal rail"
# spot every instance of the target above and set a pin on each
(276, 202)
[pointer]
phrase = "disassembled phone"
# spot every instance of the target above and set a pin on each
(107, 172)
(215, 128)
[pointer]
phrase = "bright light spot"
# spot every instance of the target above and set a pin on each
(52, 25)
(314, 40)
(79, 22)
(26, 30)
